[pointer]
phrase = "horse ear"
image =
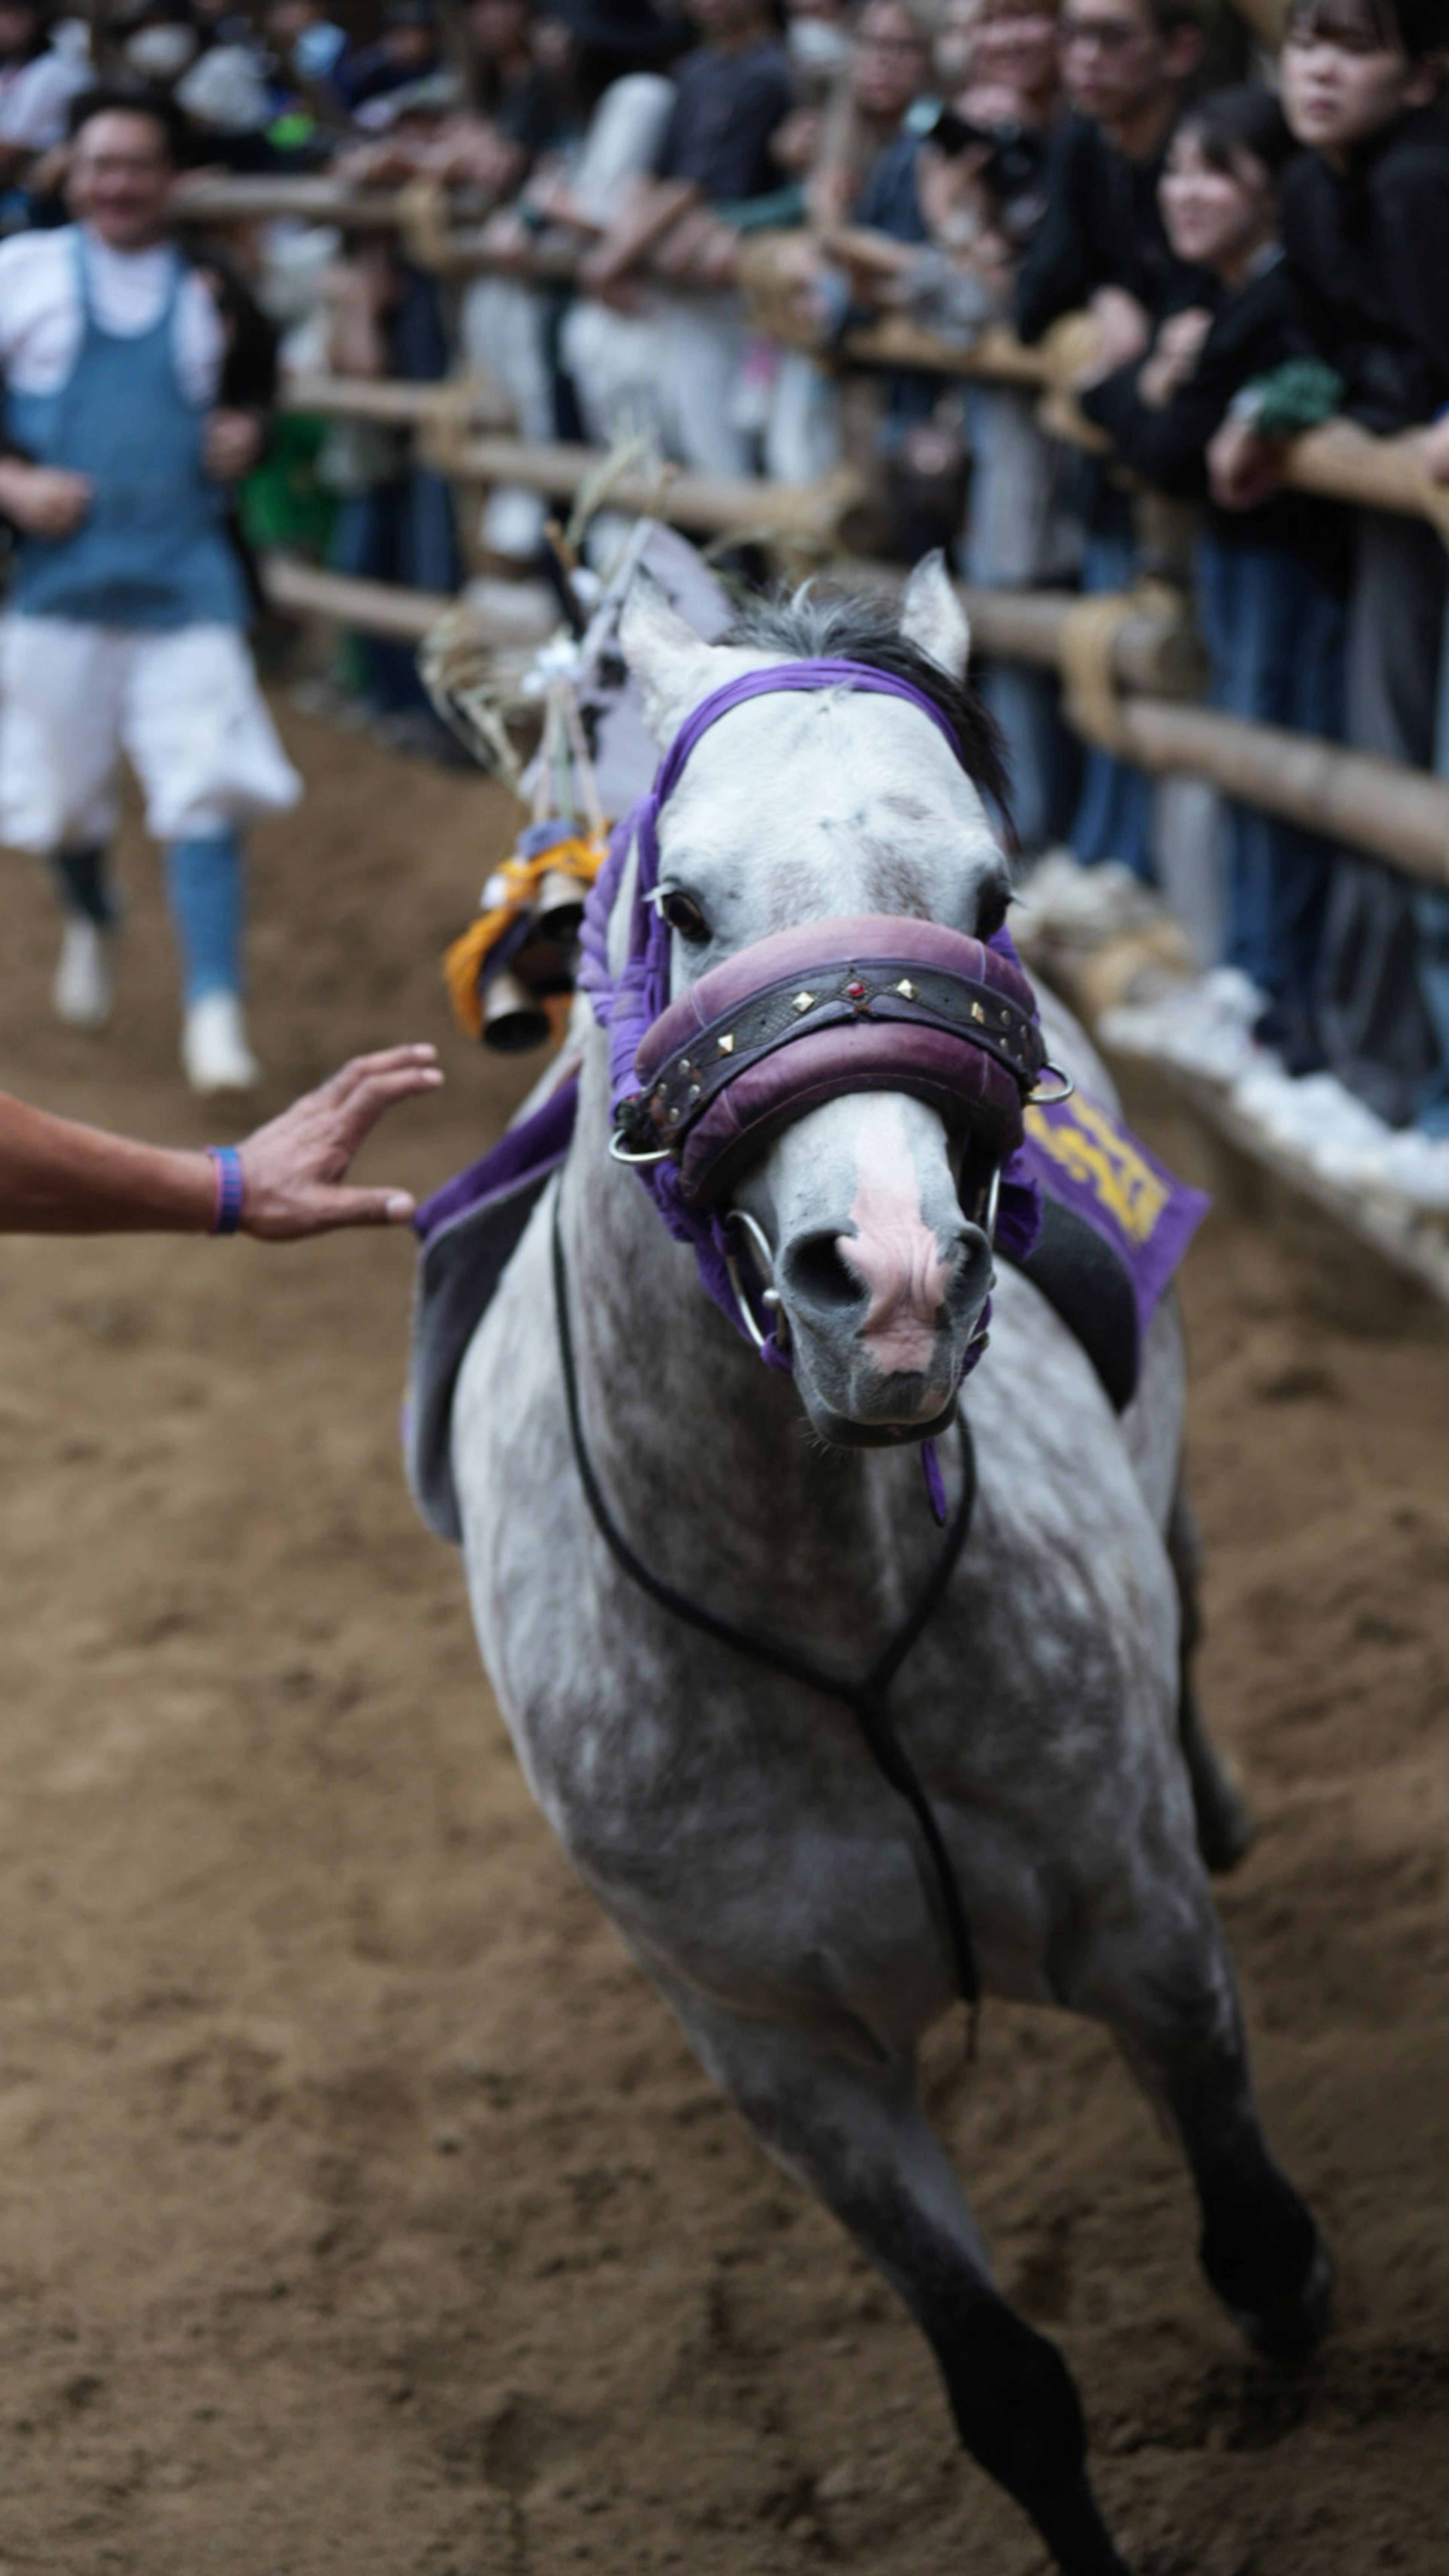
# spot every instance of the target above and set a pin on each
(673, 668)
(933, 619)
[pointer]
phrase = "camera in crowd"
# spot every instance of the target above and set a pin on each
(1014, 155)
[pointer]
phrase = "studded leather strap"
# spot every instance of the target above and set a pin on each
(676, 1090)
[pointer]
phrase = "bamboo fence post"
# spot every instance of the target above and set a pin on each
(1393, 812)
(474, 401)
(1337, 462)
(806, 514)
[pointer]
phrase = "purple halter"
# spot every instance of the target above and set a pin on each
(631, 1004)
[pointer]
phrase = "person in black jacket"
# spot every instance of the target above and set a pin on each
(1272, 584)
(1366, 243)
(1102, 245)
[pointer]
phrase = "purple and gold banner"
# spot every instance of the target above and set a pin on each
(1079, 1153)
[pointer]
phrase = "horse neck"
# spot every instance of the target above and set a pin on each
(703, 1454)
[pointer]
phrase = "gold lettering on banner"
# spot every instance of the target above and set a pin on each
(1092, 1151)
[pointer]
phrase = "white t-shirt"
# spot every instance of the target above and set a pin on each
(34, 98)
(624, 134)
(41, 316)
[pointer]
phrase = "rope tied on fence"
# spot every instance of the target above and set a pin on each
(1090, 636)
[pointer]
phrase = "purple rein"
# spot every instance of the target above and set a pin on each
(629, 1004)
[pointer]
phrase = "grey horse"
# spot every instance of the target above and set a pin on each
(731, 1820)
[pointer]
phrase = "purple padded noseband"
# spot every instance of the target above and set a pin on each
(871, 1003)
(629, 1005)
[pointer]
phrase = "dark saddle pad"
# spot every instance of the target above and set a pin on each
(459, 1270)
(1091, 1289)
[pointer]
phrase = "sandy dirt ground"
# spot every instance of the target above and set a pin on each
(363, 2213)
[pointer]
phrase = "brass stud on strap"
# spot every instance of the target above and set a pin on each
(727, 1044)
(803, 1002)
(906, 989)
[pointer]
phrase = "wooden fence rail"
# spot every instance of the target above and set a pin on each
(1393, 812)
(442, 231)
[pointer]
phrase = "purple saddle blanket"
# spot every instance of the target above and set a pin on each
(1115, 1225)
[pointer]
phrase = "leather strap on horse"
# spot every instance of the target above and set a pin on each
(866, 1699)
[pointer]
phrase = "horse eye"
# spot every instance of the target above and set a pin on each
(683, 914)
(991, 910)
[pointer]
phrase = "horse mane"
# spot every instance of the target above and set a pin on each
(813, 625)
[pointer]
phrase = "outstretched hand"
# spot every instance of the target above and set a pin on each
(293, 1169)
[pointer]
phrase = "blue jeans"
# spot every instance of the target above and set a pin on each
(1027, 706)
(205, 887)
(1431, 911)
(403, 532)
(1275, 634)
(1113, 819)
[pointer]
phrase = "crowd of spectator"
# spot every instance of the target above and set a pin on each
(1258, 236)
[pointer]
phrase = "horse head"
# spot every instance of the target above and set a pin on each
(865, 1212)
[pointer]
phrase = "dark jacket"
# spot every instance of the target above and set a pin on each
(1166, 445)
(1368, 261)
(248, 379)
(726, 107)
(1102, 227)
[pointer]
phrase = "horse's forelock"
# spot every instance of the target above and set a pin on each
(812, 625)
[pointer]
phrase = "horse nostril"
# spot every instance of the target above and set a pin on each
(816, 1275)
(972, 1262)
(991, 905)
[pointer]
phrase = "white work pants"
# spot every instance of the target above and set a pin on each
(183, 706)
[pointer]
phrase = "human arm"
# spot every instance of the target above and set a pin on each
(1059, 272)
(652, 209)
(237, 425)
(1160, 412)
(43, 500)
(1434, 449)
(234, 442)
(1416, 229)
(1244, 468)
(57, 1177)
(358, 292)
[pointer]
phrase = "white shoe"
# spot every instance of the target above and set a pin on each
(1314, 1115)
(1209, 1028)
(214, 1049)
(1140, 1028)
(1410, 1166)
(1082, 906)
(83, 987)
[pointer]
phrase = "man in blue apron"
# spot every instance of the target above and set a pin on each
(135, 390)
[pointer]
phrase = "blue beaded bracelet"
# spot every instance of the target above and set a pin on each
(228, 1188)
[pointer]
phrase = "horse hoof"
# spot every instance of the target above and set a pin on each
(1289, 2328)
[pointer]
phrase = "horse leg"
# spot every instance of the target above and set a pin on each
(845, 2119)
(1164, 1984)
(1224, 1818)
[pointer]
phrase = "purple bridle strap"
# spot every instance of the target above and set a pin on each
(629, 1003)
(630, 1006)
(778, 679)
